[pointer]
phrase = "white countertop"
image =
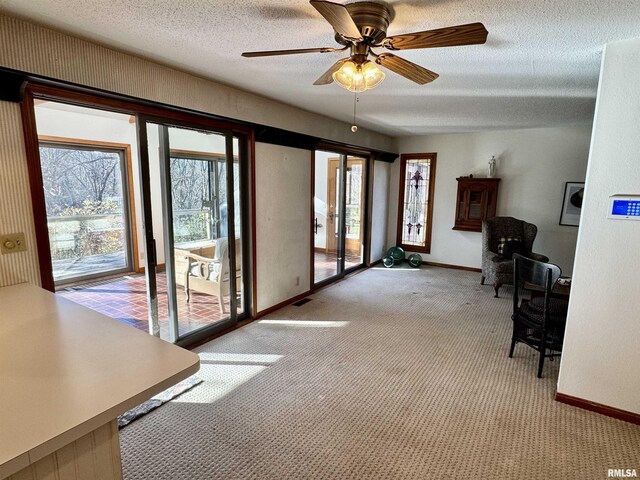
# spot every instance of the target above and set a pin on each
(65, 370)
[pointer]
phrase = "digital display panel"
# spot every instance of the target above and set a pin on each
(625, 208)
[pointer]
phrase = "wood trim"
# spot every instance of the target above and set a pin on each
(606, 410)
(370, 165)
(330, 147)
(282, 304)
(160, 267)
(213, 336)
(197, 153)
(432, 182)
(93, 98)
(132, 210)
(364, 207)
(129, 166)
(315, 289)
(58, 90)
(37, 192)
(312, 216)
(333, 173)
(453, 267)
(81, 141)
(252, 202)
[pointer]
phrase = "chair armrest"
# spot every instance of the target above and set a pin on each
(539, 257)
(203, 265)
(494, 257)
(201, 259)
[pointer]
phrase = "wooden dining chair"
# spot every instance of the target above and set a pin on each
(540, 321)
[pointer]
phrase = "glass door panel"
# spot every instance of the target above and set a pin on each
(328, 209)
(199, 208)
(475, 205)
(198, 202)
(354, 211)
(238, 230)
(160, 323)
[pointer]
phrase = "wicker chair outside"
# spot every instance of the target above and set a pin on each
(496, 269)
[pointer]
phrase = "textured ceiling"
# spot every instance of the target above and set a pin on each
(539, 67)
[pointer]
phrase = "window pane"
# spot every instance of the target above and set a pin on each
(192, 201)
(417, 175)
(85, 201)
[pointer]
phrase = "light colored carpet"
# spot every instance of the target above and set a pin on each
(405, 375)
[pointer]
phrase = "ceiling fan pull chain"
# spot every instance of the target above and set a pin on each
(354, 127)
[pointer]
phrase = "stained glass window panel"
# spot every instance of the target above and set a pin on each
(417, 174)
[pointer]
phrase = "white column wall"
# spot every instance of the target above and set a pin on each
(380, 209)
(600, 358)
(283, 233)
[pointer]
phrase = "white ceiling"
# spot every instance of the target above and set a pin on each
(538, 68)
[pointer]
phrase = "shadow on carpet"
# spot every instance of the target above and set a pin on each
(154, 402)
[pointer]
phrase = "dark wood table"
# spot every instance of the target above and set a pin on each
(559, 291)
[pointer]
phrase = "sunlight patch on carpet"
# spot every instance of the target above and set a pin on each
(306, 323)
(221, 379)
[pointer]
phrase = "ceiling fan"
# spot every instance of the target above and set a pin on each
(361, 27)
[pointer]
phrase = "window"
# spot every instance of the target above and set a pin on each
(87, 204)
(417, 179)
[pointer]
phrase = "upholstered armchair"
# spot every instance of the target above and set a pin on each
(210, 275)
(496, 268)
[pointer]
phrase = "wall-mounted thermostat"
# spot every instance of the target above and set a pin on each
(624, 207)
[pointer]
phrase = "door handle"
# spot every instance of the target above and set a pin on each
(151, 252)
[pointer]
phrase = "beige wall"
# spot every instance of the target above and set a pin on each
(600, 357)
(533, 165)
(283, 241)
(380, 210)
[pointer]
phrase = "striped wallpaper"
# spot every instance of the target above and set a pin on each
(15, 200)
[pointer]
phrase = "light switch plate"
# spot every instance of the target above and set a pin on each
(12, 243)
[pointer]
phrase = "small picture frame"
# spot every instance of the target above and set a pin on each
(572, 204)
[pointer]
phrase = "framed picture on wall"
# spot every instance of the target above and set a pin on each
(572, 204)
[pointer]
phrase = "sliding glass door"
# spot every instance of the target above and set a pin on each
(196, 224)
(339, 213)
(355, 188)
(327, 216)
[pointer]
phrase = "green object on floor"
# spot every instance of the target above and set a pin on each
(397, 254)
(415, 260)
(388, 261)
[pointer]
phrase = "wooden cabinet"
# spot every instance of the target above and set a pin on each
(476, 200)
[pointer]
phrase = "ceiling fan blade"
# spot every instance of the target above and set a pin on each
(327, 77)
(339, 18)
(470, 34)
(407, 69)
(271, 53)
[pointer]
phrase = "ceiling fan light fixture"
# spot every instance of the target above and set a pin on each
(358, 78)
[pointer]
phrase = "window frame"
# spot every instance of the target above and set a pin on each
(129, 210)
(432, 157)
